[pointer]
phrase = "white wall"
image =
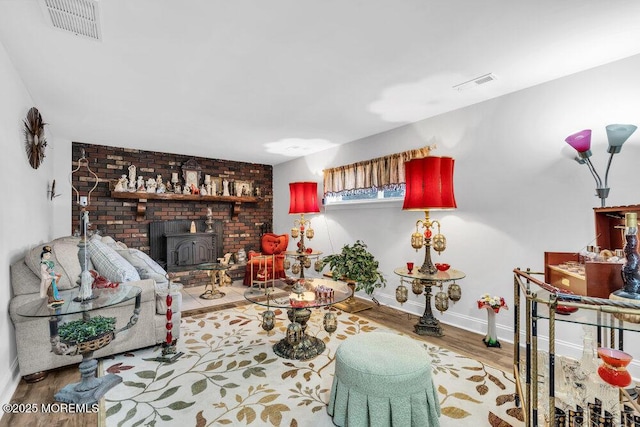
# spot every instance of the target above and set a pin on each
(518, 192)
(26, 216)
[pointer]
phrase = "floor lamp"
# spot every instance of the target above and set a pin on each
(429, 186)
(85, 293)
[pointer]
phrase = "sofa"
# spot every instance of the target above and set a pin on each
(114, 263)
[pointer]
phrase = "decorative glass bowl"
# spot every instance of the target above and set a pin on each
(613, 370)
(442, 267)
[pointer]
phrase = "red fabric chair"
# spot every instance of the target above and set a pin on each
(270, 244)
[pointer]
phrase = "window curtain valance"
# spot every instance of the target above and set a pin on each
(382, 173)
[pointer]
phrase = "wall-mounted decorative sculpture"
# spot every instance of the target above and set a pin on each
(34, 137)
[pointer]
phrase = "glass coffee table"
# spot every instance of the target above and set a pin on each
(299, 299)
(90, 389)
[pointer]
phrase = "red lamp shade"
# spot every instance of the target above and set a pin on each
(429, 184)
(303, 197)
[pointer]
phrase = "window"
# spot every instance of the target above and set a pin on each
(371, 180)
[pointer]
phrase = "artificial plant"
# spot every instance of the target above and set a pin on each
(357, 264)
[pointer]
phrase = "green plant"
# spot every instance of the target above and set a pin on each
(356, 263)
(83, 330)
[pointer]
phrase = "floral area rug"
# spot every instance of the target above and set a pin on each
(229, 375)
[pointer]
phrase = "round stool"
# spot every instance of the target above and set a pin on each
(383, 379)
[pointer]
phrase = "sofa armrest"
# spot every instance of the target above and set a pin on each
(148, 287)
(19, 301)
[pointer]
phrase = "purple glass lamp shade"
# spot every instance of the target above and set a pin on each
(581, 141)
(617, 135)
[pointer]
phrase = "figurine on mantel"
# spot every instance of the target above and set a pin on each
(225, 186)
(151, 185)
(132, 178)
(140, 184)
(121, 185)
(160, 188)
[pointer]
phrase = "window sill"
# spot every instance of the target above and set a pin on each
(365, 203)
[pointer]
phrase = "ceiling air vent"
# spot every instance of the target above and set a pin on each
(476, 82)
(80, 17)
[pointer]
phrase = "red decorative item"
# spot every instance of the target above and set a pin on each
(169, 325)
(410, 267)
(308, 250)
(429, 184)
(614, 369)
(442, 267)
(303, 198)
(427, 233)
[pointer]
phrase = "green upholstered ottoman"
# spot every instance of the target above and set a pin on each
(383, 379)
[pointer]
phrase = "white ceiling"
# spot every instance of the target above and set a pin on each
(266, 81)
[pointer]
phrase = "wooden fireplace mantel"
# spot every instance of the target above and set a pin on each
(236, 202)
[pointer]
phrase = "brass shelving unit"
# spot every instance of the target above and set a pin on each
(540, 300)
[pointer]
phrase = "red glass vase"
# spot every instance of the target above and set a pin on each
(613, 370)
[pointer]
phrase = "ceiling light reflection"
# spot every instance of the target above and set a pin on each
(298, 147)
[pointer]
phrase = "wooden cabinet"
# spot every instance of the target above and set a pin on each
(595, 279)
(609, 223)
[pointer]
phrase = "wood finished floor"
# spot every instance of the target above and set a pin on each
(455, 339)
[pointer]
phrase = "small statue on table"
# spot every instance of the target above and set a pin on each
(49, 279)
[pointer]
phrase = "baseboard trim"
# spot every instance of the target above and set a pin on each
(9, 382)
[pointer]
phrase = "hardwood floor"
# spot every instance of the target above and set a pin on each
(455, 339)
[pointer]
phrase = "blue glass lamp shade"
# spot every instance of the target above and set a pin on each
(581, 141)
(617, 135)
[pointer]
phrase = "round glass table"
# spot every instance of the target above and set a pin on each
(428, 324)
(90, 389)
(299, 299)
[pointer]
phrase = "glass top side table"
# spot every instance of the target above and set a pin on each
(428, 324)
(90, 389)
(217, 272)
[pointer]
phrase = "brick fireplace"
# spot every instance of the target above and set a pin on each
(241, 226)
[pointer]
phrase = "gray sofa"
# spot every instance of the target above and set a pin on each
(113, 261)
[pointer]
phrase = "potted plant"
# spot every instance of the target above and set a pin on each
(356, 264)
(79, 331)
